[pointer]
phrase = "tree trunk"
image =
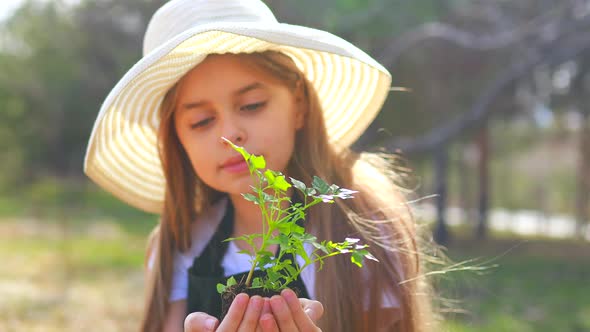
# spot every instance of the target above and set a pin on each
(464, 186)
(583, 183)
(483, 170)
(441, 161)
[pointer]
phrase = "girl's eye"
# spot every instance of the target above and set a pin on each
(253, 107)
(201, 123)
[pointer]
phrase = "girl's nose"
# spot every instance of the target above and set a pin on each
(232, 131)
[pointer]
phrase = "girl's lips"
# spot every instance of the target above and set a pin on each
(235, 167)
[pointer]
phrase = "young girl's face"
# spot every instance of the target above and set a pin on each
(222, 97)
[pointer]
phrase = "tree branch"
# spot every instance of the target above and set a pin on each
(481, 110)
(436, 30)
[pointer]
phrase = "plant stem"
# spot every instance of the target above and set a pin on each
(268, 217)
(266, 234)
(263, 245)
(321, 258)
(305, 207)
(251, 273)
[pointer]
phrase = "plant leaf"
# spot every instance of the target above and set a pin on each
(371, 257)
(245, 251)
(320, 247)
(220, 288)
(334, 188)
(320, 185)
(256, 283)
(292, 272)
(273, 276)
(283, 240)
(251, 198)
(257, 162)
(263, 261)
(357, 258)
(268, 198)
(270, 177)
(281, 183)
(299, 185)
(231, 281)
(297, 229)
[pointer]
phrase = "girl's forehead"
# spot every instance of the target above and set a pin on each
(224, 75)
(223, 63)
(226, 70)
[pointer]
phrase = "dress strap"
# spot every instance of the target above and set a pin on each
(208, 263)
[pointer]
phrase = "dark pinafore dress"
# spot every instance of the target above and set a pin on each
(206, 271)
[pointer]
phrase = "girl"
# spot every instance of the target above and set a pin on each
(297, 96)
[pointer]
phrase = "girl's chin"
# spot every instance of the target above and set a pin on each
(238, 187)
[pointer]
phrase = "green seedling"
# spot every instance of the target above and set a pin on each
(280, 227)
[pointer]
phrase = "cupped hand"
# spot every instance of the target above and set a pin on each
(290, 314)
(283, 313)
(242, 316)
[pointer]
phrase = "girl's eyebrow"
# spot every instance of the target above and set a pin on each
(249, 87)
(239, 92)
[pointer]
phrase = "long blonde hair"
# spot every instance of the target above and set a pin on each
(379, 215)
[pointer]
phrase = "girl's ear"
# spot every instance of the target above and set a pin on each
(300, 115)
(301, 105)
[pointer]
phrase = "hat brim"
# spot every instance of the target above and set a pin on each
(122, 155)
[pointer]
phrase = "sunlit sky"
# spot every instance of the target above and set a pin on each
(7, 7)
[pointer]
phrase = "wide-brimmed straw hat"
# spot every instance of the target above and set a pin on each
(122, 155)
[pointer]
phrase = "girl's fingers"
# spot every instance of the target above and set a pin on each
(267, 321)
(286, 312)
(282, 314)
(303, 321)
(236, 311)
(313, 309)
(199, 322)
(266, 308)
(253, 311)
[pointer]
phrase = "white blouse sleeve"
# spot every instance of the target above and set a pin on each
(179, 287)
(202, 230)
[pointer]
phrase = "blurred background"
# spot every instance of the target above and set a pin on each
(491, 112)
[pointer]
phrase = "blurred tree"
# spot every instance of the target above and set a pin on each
(58, 64)
(39, 70)
(545, 36)
(581, 96)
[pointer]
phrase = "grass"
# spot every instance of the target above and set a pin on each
(81, 269)
(73, 279)
(539, 285)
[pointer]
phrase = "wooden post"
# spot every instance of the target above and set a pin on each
(483, 170)
(583, 183)
(441, 161)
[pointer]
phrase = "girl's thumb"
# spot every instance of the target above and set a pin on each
(200, 322)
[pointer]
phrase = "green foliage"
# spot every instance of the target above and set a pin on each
(538, 285)
(58, 63)
(230, 282)
(280, 227)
